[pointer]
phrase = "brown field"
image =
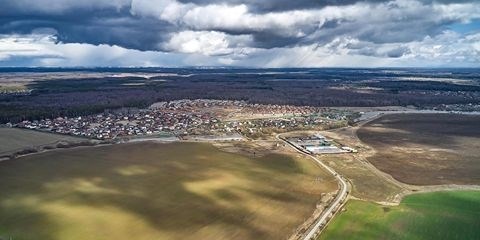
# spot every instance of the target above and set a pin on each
(426, 149)
(15, 139)
(366, 181)
(157, 191)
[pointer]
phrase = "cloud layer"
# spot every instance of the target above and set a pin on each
(270, 33)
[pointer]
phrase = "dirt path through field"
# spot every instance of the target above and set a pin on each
(348, 135)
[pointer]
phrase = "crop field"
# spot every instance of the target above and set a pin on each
(157, 191)
(439, 215)
(14, 139)
(426, 149)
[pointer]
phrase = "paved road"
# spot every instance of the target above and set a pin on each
(342, 194)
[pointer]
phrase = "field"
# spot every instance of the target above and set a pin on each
(157, 191)
(365, 183)
(426, 149)
(365, 180)
(14, 139)
(439, 215)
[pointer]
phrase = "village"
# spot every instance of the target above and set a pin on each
(191, 117)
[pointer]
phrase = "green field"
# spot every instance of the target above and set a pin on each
(15, 139)
(156, 191)
(439, 215)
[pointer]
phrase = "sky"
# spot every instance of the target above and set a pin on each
(248, 33)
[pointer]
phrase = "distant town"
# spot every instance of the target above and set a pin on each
(191, 117)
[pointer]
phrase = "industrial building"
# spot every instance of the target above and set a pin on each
(318, 144)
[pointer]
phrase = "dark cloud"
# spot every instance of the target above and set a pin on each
(130, 34)
(398, 52)
(278, 5)
(93, 26)
(112, 22)
(271, 40)
(259, 6)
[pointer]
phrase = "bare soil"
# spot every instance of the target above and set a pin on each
(425, 149)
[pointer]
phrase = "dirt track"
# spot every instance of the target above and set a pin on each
(373, 184)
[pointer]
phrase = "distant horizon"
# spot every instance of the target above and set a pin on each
(218, 67)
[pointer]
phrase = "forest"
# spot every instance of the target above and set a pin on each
(54, 93)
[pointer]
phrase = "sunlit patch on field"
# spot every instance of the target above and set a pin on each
(157, 191)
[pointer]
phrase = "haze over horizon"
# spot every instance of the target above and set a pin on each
(270, 33)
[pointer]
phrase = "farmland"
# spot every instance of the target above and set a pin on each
(366, 182)
(426, 149)
(157, 191)
(439, 215)
(14, 139)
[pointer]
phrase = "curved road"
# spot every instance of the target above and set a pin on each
(323, 219)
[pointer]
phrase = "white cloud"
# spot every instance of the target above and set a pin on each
(464, 12)
(214, 48)
(391, 33)
(226, 17)
(27, 46)
(168, 10)
(386, 16)
(207, 43)
(448, 48)
(42, 50)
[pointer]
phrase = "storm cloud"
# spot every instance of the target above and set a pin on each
(234, 32)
